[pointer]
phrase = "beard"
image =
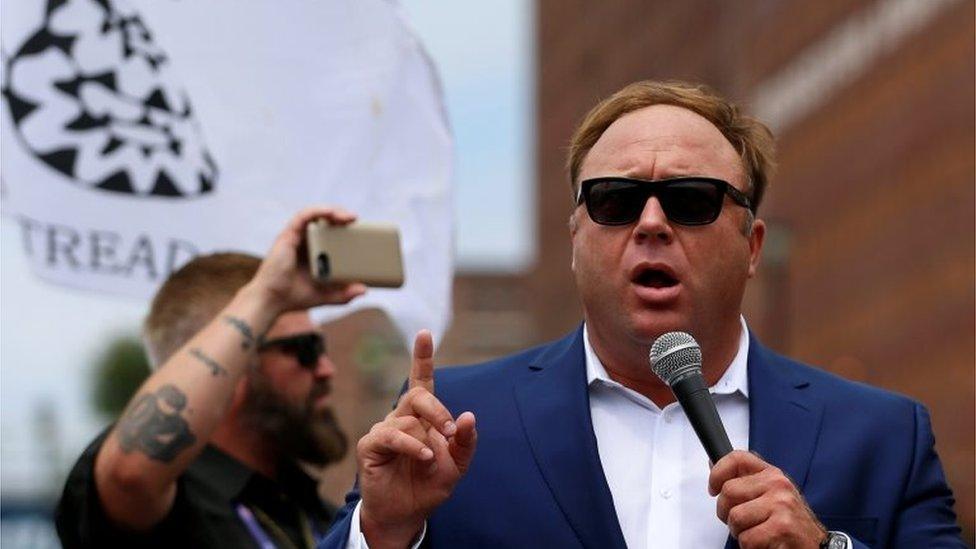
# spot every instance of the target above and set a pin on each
(296, 430)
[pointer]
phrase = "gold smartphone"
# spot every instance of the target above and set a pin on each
(359, 252)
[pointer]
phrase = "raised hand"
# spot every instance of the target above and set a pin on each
(761, 505)
(410, 462)
(285, 280)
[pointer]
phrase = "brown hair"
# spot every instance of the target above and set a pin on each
(750, 137)
(191, 297)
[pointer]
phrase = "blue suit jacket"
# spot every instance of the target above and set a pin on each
(863, 458)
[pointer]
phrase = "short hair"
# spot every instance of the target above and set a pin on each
(750, 137)
(190, 298)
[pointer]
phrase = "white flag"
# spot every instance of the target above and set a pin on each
(137, 134)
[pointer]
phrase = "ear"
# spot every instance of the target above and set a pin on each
(574, 222)
(756, 237)
(573, 229)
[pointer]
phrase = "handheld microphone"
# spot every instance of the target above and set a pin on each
(676, 359)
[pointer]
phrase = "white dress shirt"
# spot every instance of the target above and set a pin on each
(655, 466)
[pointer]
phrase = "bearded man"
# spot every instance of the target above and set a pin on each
(208, 451)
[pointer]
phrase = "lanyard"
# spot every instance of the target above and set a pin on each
(262, 539)
(310, 534)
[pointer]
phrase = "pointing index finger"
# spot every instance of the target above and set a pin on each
(422, 368)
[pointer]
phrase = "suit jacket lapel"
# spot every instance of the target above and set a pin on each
(553, 403)
(784, 419)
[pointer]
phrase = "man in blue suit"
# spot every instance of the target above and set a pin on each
(579, 445)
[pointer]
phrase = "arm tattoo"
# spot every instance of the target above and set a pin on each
(215, 368)
(152, 425)
(244, 329)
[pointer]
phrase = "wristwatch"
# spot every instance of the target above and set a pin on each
(836, 540)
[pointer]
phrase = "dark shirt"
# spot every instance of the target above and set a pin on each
(206, 510)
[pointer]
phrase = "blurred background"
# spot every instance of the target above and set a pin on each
(868, 270)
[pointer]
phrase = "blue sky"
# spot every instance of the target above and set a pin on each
(49, 335)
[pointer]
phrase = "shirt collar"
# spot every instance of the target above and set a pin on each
(222, 472)
(229, 477)
(735, 379)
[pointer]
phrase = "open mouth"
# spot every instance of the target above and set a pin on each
(654, 278)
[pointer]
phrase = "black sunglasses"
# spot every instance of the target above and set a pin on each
(685, 200)
(307, 348)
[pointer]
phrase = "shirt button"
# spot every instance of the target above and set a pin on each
(666, 494)
(667, 418)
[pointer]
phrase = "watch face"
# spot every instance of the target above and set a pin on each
(836, 541)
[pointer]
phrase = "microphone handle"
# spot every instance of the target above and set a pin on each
(693, 395)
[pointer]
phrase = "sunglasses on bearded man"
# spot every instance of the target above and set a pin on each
(306, 348)
(685, 200)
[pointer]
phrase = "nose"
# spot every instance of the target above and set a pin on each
(325, 368)
(653, 225)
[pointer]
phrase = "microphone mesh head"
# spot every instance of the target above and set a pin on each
(674, 355)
